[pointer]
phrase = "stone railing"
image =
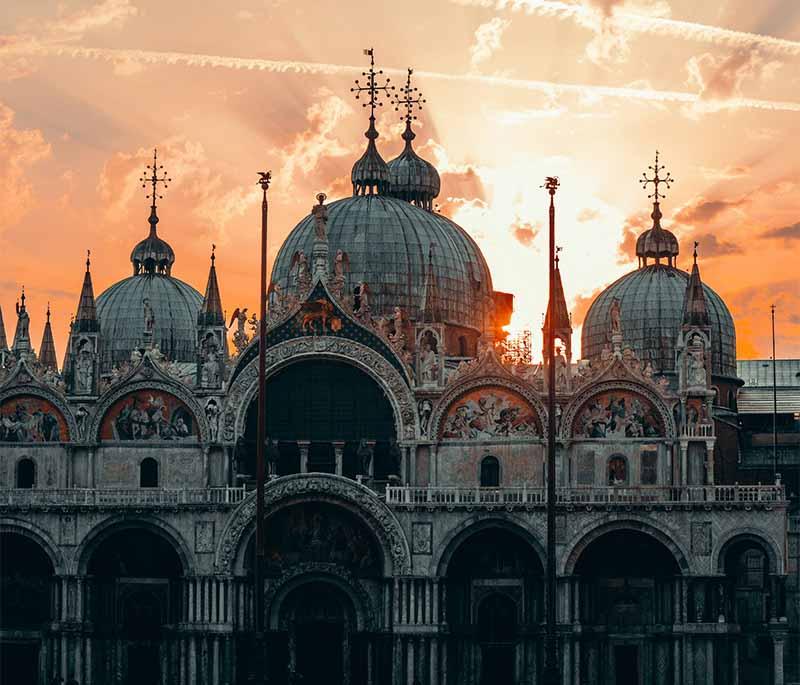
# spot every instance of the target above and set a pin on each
(455, 497)
(139, 497)
(701, 430)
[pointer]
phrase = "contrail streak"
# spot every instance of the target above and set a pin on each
(642, 23)
(299, 67)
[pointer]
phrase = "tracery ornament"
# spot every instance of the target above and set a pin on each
(485, 372)
(147, 377)
(319, 487)
(245, 386)
(580, 402)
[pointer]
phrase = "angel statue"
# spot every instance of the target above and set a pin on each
(341, 265)
(361, 300)
(239, 336)
(303, 275)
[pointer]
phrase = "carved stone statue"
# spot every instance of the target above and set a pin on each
(272, 455)
(695, 365)
(395, 458)
(341, 264)
(302, 273)
(320, 214)
(364, 454)
(81, 415)
(212, 412)
(240, 339)
(210, 371)
(361, 300)
(84, 368)
(398, 338)
(561, 369)
(149, 316)
(616, 317)
(425, 407)
(24, 320)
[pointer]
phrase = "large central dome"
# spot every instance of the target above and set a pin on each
(388, 241)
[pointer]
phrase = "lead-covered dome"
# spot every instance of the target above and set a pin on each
(388, 241)
(172, 304)
(651, 312)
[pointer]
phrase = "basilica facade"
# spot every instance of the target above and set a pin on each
(405, 506)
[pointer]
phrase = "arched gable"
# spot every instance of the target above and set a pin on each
(148, 410)
(487, 408)
(245, 386)
(618, 410)
(33, 414)
(358, 499)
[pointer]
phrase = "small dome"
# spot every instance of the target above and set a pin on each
(152, 255)
(412, 178)
(388, 242)
(120, 309)
(370, 174)
(651, 308)
(656, 242)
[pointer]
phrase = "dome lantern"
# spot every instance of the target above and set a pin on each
(412, 178)
(656, 242)
(153, 255)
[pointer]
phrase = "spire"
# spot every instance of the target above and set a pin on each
(695, 312)
(563, 324)
(430, 306)
(86, 316)
(412, 178)
(211, 313)
(370, 174)
(153, 255)
(3, 339)
(22, 337)
(47, 350)
(656, 242)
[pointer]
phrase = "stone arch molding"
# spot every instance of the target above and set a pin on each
(571, 412)
(596, 529)
(757, 535)
(453, 394)
(54, 398)
(299, 488)
(244, 387)
(38, 535)
(177, 389)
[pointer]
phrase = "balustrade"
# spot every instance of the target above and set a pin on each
(140, 497)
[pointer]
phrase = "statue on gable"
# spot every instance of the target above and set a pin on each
(341, 265)
(425, 407)
(561, 369)
(240, 339)
(149, 316)
(428, 360)
(398, 337)
(695, 365)
(24, 320)
(616, 317)
(361, 301)
(212, 412)
(364, 455)
(320, 214)
(84, 367)
(210, 372)
(299, 266)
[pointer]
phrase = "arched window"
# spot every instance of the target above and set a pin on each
(490, 472)
(26, 473)
(462, 346)
(148, 473)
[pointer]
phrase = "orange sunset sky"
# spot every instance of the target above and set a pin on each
(516, 90)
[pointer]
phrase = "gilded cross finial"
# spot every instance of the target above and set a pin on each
(48, 312)
(656, 180)
(88, 260)
(372, 87)
(696, 245)
(151, 177)
(213, 255)
(408, 98)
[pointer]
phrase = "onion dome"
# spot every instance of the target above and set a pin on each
(370, 174)
(152, 293)
(652, 304)
(412, 178)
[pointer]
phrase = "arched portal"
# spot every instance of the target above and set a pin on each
(494, 605)
(26, 588)
(136, 591)
(627, 580)
(319, 411)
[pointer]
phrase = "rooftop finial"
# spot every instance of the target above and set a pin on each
(48, 312)
(408, 98)
(696, 244)
(656, 180)
(22, 298)
(213, 256)
(151, 177)
(373, 88)
(88, 260)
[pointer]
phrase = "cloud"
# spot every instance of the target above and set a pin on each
(587, 214)
(726, 173)
(648, 19)
(150, 57)
(525, 232)
(634, 225)
(581, 304)
(720, 78)
(712, 246)
(74, 26)
(488, 40)
(701, 210)
(790, 232)
(20, 149)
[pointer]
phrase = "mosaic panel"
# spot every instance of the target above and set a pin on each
(617, 414)
(149, 415)
(490, 412)
(26, 419)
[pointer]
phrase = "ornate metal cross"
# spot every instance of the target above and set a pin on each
(656, 180)
(406, 98)
(372, 87)
(154, 179)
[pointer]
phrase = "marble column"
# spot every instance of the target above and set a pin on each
(338, 449)
(778, 641)
(304, 445)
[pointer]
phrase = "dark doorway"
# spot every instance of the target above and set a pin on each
(626, 661)
(143, 665)
(19, 663)
(497, 627)
(319, 650)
